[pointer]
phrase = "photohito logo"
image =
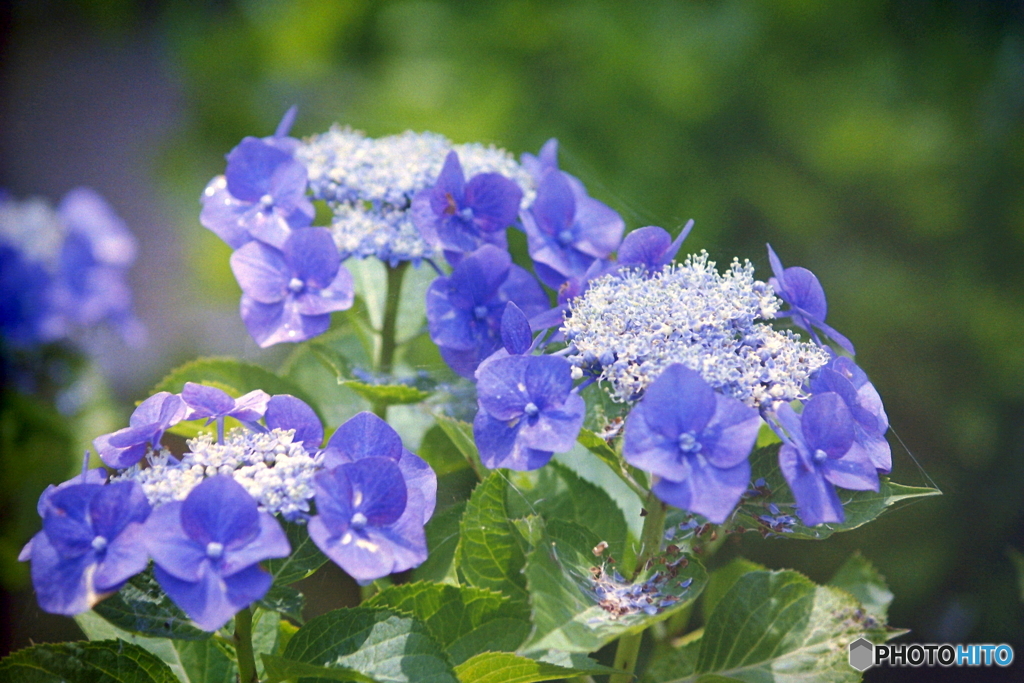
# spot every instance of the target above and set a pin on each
(864, 654)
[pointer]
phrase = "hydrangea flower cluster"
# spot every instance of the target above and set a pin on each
(208, 518)
(63, 269)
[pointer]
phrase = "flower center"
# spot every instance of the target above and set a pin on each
(214, 550)
(531, 409)
(480, 312)
(820, 455)
(358, 521)
(466, 214)
(688, 443)
(296, 285)
(266, 201)
(99, 543)
(565, 237)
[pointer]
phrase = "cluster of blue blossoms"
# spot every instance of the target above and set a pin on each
(63, 269)
(691, 352)
(208, 518)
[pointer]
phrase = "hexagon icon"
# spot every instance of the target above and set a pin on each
(862, 654)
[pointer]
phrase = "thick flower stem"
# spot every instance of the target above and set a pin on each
(243, 647)
(650, 544)
(388, 332)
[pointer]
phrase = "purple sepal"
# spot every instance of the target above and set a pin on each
(527, 411)
(206, 549)
(696, 439)
(147, 425)
(651, 247)
(870, 422)
(516, 335)
(91, 543)
(214, 403)
(547, 158)
(800, 288)
(369, 523)
(284, 411)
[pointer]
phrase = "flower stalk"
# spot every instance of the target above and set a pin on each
(388, 332)
(243, 647)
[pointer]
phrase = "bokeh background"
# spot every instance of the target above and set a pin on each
(879, 143)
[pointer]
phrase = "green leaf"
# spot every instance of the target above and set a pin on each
(142, 607)
(106, 661)
(440, 453)
(505, 667)
(673, 663)
(599, 447)
(376, 642)
(386, 394)
(779, 624)
(561, 573)
(192, 661)
(860, 507)
(461, 435)
(723, 578)
(442, 539)
(284, 600)
(859, 578)
(281, 669)
(489, 554)
(556, 492)
(464, 620)
(233, 376)
(305, 559)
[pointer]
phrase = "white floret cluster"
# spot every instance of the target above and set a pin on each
(628, 327)
(276, 470)
(369, 184)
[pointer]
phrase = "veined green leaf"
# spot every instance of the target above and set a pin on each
(464, 620)
(859, 578)
(723, 578)
(489, 555)
(442, 539)
(305, 558)
(104, 661)
(378, 643)
(506, 667)
(281, 669)
(142, 607)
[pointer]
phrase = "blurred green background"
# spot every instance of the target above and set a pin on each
(879, 143)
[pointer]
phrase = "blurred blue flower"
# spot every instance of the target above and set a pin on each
(527, 411)
(90, 544)
(800, 288)
(289, 293)
(369, 522)
(459, 217)
(207, 548)
(464, 309)
(146, 427)
(870, 422)
(696, 439)
(818, 453)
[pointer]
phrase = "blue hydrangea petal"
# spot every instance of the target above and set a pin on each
(262, 272)
(251, 406)
(494, 200)
(731, 434)
(516, 335)
(167, 544)
(854, 471)
(60, 584)
(678, 401)
(97, 475)
(448, 193)
(206, 401)
(365, 435)
(312, 256)
(651, 450)
(548, 381)
(420, 478)
(475, 280)
(450, 326)
(501, 387)
(547, 158)
(271, 541)
(499, 446)
(378, 489)
(251, 166)
(555, 429)
(803, 290)
(67, 522)
(266, 225)
(600, 228)
(270, 324)
(338, 296)
(708, 490)
(361, 558)
(212, 600)
(524, 291)
(222, 213)
(554, 208)
(333, 499)
(284, 411)
(124, 557)
(816, 498)
(826, 425)
(644, 247)
(117, 505)
(465, 363)
(220, 510)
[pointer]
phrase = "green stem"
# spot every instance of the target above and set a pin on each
(243, 647)
(650, 544)
(388, 332)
